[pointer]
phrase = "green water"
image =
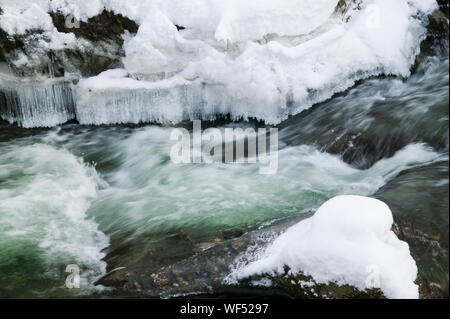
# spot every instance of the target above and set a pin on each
(98, 197)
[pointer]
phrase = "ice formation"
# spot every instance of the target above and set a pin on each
(348, 241)
(260, 59)
(35, 104)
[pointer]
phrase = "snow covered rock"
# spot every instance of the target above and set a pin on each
(349, 242)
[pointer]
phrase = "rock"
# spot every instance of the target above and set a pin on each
(420, 207)
(436, 42)
(444, 7)
(139, 264)
(416, 203)
(100, 51)
(300, 286)
(107, 27)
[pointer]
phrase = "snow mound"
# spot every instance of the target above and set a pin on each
(348, 241)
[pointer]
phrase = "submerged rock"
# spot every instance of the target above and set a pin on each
(183, 268)
(201, 273)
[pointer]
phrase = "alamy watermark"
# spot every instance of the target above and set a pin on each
(227, 146)
(73, 280)
(71, 22)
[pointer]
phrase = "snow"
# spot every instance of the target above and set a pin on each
(426, 6)
(232, 20)
(245, 20)
(155, 47)
(21, 16)
(266, 80)
(348, 241)
(248, 59)
(80, 9)
(61, 41)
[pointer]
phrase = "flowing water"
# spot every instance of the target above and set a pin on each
(101, 197)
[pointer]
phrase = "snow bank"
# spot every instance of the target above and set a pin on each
(233, 20)
(261, 59)
(21, 16)
(265, 79)
(348, 241)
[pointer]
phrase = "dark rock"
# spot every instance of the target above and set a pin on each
(174, 268)
(139, 263)
(9, 44)
(201, 275)
(436, 42)
(106, 26)
(300, 286)
(444, 7)
(104, 33)
(419, 202)
(230, 234)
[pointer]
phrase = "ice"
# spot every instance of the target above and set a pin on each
(261, 59)
(110, 98)
(264, 80)
(348, 241)
(37, 104)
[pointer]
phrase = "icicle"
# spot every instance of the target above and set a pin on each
(37, 105)
(164, 105)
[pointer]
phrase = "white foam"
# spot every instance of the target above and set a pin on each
(220, 196)
(348, 241)
(44, 196)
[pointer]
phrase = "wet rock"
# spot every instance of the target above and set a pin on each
(436, 42)
(133, 266)
(89, 62)
(107, 26)
(415, 197)
(230, 234)
(202, 275)
(9, 44)
(419, 202)
(444, 7)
